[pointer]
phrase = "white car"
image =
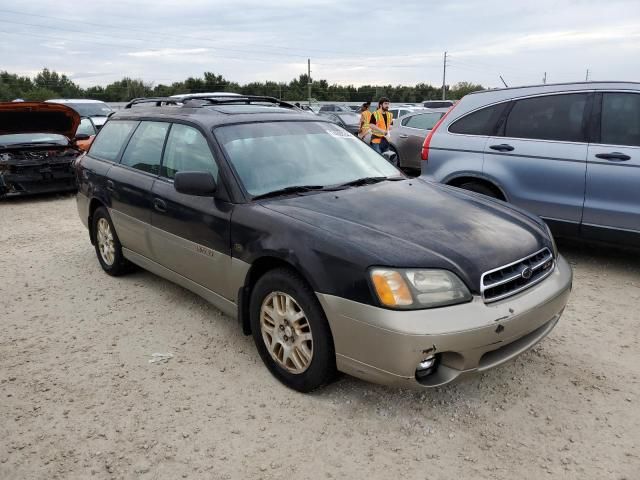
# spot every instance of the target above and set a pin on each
(96, 110)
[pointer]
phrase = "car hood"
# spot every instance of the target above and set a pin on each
(414, 223)
(37, 117)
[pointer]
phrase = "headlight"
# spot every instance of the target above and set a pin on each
(553, 241)
(410, 289)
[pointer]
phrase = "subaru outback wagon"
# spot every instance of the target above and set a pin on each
(568, 152)
(327, 254)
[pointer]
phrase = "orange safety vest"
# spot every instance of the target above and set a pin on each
(365, 118)
(381, 124)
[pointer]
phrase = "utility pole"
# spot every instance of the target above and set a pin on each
(309, 78)
(544, 80)
(586, 78)
(444, 76)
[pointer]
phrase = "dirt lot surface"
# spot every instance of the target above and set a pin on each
(79, 398)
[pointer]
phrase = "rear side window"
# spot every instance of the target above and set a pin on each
(145, 147)
(425, 121)
(481, 122)
(110, 141)
(187, 150)
(620, 119)
(553, 117)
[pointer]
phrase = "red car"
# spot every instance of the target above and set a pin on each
(38, 145)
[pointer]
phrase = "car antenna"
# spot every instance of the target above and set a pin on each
(505, 83)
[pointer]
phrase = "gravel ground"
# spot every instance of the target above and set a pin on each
(79, 398)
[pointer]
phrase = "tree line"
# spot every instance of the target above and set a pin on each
(49, 84)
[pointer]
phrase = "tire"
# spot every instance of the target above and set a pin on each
(396, 163)
(481, 188)
(299, 353)
(107, 244)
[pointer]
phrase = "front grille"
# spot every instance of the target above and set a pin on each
(517, 276)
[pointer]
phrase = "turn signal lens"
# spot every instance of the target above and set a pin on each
(391, 288)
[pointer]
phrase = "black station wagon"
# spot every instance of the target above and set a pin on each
(326, 253)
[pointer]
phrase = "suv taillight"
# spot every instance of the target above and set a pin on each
(427, 141)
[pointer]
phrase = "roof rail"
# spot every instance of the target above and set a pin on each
(244, 99)
(157, 100)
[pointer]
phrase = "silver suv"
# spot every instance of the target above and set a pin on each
(569, 153)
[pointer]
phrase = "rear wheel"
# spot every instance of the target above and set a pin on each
(107, 244)
(482, 188)
(395, 160)
(291, 332)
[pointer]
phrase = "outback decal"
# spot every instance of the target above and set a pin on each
(205, 251)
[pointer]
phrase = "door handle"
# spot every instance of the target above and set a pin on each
(159, 205)
(403, 136)
(110, 185)
(614, 156)
(503, 147)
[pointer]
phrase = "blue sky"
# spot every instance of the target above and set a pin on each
(348, 42)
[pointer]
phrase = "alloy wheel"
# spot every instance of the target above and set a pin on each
(286, 332)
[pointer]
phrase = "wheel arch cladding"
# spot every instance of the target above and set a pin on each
(458, 181)
(260, 267)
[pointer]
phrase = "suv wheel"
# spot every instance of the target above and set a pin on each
(291, 332)
(481, 188)
(395, 161)
(108, 247)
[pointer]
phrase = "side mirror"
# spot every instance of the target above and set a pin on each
(81, 137)
(200, 184)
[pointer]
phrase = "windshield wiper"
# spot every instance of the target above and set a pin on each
(289, 190)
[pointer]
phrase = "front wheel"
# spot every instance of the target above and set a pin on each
(291, 332)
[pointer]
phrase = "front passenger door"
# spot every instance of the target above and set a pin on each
(191, 234)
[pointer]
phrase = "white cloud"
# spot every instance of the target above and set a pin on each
(168, 52)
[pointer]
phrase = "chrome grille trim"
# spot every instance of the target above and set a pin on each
(509, 282)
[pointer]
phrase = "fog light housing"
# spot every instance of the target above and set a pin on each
(427, 367)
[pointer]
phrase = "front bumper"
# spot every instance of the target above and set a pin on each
(385, 346)
(58, 179)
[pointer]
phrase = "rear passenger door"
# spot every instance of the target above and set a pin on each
(612, 201)
(539, 157)
(130, 183)
(191, 234)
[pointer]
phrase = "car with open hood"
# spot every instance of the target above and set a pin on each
(325, 252)
(37, 147)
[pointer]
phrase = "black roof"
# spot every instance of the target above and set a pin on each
(213, 111)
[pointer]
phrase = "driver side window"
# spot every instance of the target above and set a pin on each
(187, 150)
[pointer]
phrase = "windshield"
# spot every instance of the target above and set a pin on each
(33, 138)
(91, 109)
(273, 156)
